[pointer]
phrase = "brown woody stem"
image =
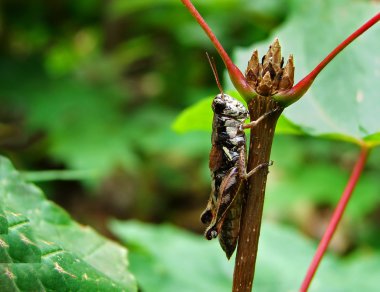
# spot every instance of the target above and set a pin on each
(259, 152)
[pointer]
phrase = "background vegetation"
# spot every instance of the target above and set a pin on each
(93, 89)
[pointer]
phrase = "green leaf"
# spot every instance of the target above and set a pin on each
(20, 245)
(197, 117)
(343, 103)
(165, 258)
(44, 249)
(285, 126)
(3, 220)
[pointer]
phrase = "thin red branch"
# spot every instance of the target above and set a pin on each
(338, 213)
(302, 86)
(236, 75)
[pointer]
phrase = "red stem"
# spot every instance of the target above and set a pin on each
(236, 75)
(302, 86)
(338, 213)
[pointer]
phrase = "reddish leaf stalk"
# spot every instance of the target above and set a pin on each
(236, 75)
(302, 86)
(338, 213)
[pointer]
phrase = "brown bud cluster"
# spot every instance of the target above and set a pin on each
(269, 77)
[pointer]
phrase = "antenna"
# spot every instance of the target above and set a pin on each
(213, 68)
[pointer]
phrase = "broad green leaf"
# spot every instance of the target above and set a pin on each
(3, 220)
(44, 249)
(343, 102)
(197, 117)
(165, 258)
(20, 243)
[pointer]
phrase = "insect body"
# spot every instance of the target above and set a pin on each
(228, 171)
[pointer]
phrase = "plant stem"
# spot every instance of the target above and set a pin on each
(259, 152)
(338, 213)
(236, 75)
(302, 86)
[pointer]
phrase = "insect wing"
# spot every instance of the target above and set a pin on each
(226, 195)
(229, 231)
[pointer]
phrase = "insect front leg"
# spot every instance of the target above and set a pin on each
(253, 124)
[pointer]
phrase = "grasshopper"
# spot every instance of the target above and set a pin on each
(228, 169)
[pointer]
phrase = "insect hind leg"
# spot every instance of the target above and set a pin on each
(206, 216)
(211, 232)
(226, 195)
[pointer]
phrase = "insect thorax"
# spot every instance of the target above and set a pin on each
(228, 135)
(227, 106)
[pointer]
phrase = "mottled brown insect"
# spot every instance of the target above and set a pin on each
(228, 168)
(228, 171)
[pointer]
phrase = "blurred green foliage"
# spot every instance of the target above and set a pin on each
(165, 258)
(92, 89)
(95, 86)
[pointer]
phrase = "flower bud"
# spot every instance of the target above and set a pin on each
(269, 77)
